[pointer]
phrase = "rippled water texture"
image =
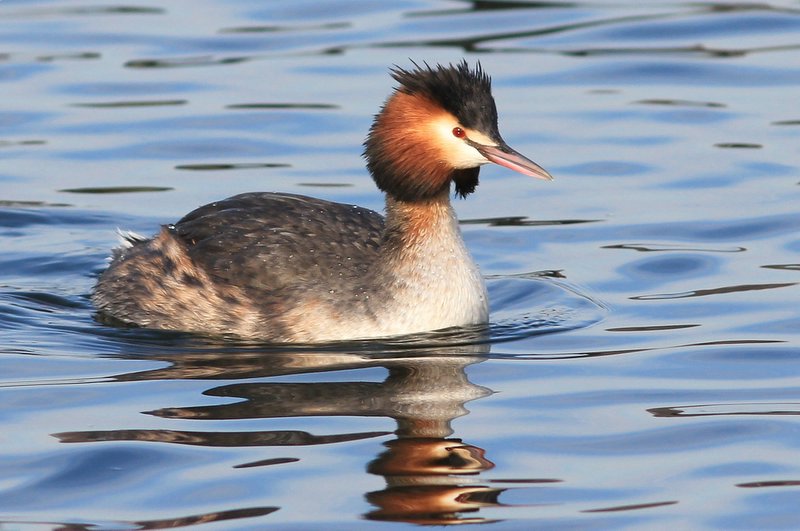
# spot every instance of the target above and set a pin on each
(642, 369)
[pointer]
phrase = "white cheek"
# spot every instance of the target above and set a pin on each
(455, 150)
(466, 156)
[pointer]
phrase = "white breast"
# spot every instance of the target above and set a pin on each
(425, 280)
(436, 283)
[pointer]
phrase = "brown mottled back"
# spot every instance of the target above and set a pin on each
(319, 242)
(210, 272)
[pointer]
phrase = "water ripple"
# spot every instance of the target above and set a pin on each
(643, 347)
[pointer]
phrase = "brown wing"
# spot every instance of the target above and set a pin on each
(270, 241)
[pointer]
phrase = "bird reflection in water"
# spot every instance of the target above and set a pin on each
(425, 483)
(426, 471)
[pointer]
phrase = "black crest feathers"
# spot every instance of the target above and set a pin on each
(465, 93)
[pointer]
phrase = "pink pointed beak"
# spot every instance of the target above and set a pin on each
(505, 156)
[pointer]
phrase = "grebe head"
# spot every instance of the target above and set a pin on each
(438, 126)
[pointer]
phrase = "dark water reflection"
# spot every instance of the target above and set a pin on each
(423, 468)
(642, 366)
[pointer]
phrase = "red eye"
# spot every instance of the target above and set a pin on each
(458, 132)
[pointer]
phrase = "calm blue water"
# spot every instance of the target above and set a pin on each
(643, 364)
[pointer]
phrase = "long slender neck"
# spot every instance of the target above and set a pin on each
(426, 267)
(420, 224)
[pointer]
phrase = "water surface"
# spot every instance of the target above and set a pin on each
(642, 368)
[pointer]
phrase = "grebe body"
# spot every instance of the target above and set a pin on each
(289, 268)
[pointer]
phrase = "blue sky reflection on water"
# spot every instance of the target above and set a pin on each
(642, 368)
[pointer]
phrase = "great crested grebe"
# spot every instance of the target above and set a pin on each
(288, 268)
